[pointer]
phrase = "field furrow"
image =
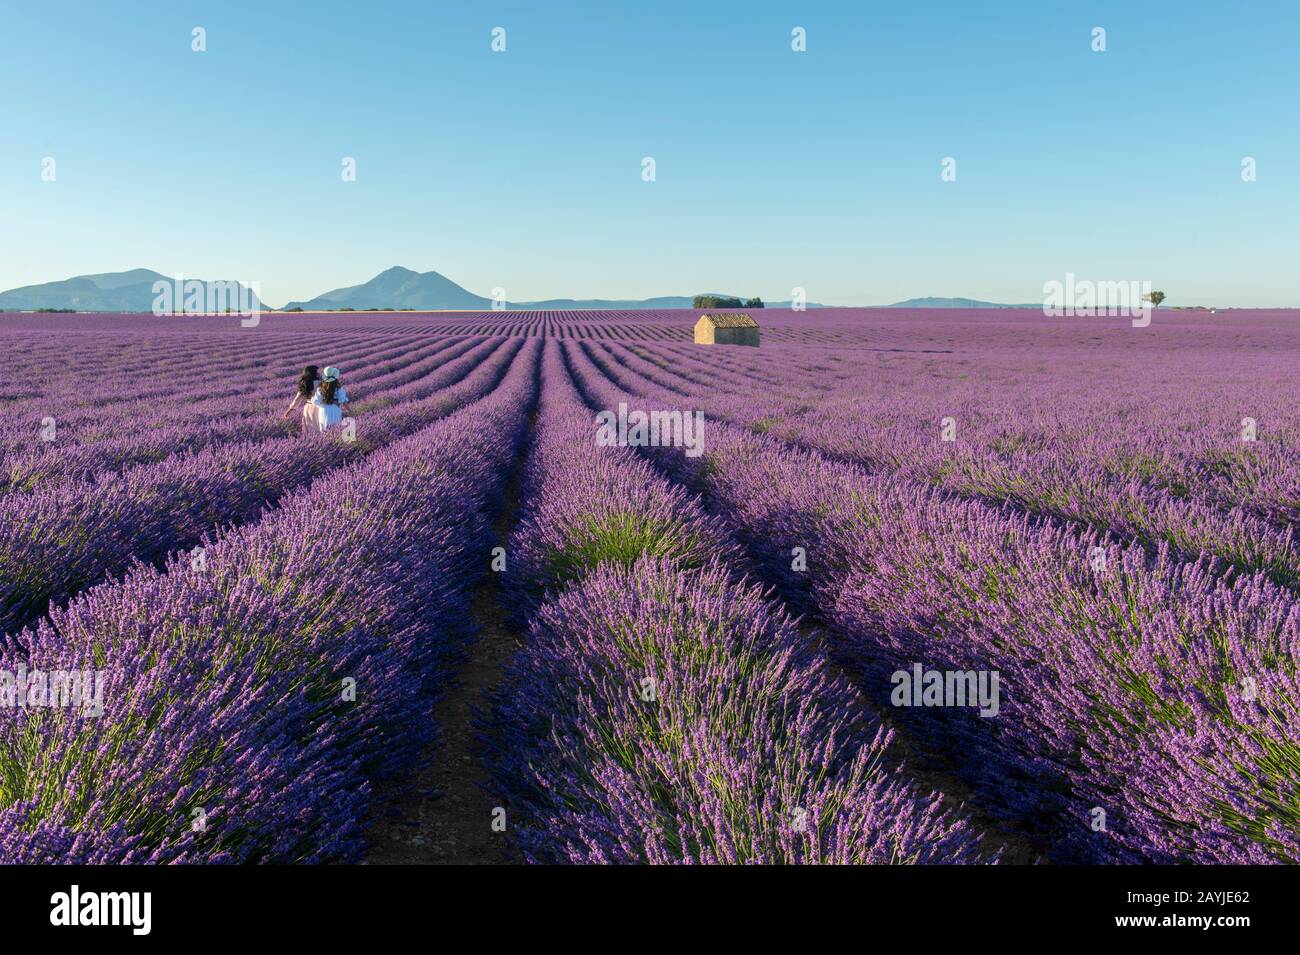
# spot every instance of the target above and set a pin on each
(55, 543)
(253, 703)
(661, 709)
(1114, 664)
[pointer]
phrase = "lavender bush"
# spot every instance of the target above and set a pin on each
(55, 542)
(1104, 519)
(662, 710)
(227, 701)
(904, 573)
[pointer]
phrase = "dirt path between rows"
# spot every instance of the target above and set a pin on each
(448, 818)
(929, 770)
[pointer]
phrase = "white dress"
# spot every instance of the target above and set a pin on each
(329, 415)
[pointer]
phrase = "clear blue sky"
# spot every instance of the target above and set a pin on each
(775, 169)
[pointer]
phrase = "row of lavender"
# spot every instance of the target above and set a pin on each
(43, 364)
(661, 710)
(1215, 428)
(1067, 476)
(63, 443)
(251, 704)
(58, 540)
(88, 399)
(1233, 439)
(1150, 707)
(185, 424)
(54, 360)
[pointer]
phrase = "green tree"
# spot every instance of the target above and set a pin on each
(715, 301)
(1155, 298)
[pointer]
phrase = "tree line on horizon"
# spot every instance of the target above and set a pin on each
(725, 301)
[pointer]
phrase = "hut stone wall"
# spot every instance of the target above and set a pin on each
(726, 330)
(736, 336)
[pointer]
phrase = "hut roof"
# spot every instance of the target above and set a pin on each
(731, 320)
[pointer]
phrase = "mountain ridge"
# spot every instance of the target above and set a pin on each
(934, 302)
(129, 291)
(396, 287)
(399, 287)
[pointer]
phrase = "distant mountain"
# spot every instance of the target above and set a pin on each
(955, 303)
(430, 291)
(664, 301)
(395, 288)
(398, 288)
(105, 292)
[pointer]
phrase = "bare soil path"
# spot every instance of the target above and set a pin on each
(447, 818)
(931, 771)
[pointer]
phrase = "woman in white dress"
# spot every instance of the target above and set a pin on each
(329, 399)
(307, 382)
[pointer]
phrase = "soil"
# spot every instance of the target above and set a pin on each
(446, 817)
(927, 771)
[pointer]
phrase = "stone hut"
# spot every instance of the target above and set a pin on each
(732, 328)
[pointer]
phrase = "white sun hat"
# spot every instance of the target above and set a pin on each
(331, 374)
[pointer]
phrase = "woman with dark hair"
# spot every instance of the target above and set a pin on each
(329, 400)
(306, 388)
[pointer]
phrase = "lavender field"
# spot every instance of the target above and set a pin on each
(929, 586)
